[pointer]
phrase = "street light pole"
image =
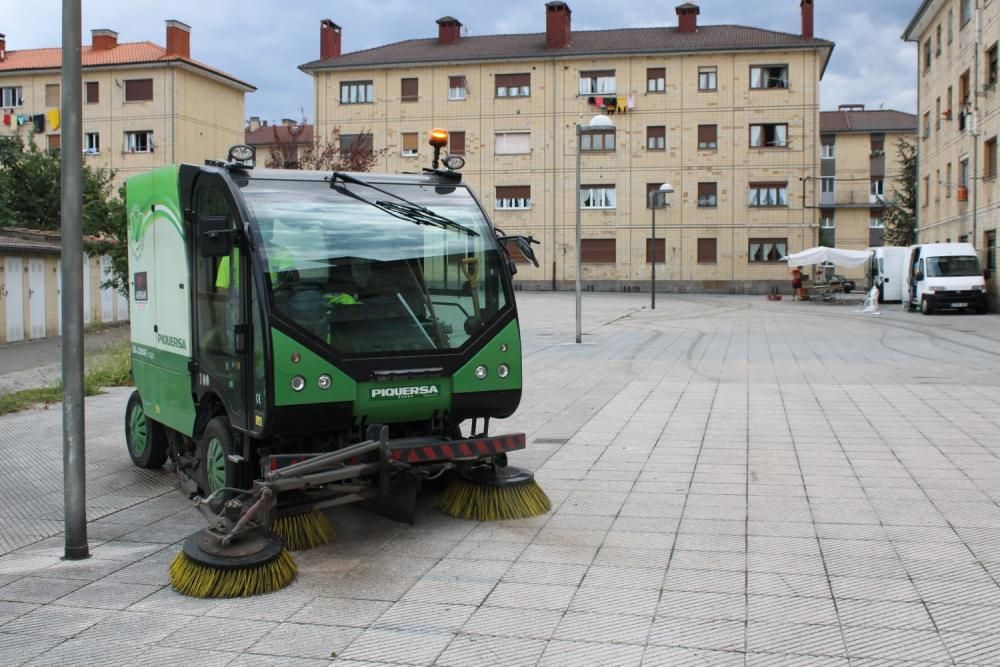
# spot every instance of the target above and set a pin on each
(579, 263)
(658, 196)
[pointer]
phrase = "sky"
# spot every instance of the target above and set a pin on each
(264, 41)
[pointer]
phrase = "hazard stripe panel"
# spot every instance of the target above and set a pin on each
(456, 449)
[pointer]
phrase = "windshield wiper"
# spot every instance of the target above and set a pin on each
(405, 210)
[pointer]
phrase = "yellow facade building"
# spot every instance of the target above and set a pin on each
(729, 115)
(144, 105)
(959, 107)
(859, 173)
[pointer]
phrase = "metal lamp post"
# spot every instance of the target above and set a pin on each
(659, 198)
(596, 124)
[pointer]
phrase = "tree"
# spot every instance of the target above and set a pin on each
(30, 198)
(340, 153)
(900, 216)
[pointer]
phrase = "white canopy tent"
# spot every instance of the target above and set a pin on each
(824, 255)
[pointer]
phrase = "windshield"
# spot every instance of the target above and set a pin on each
(365, 281)
(947, 267)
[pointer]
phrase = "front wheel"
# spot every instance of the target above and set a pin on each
(146, 440)
(925, 306)
(215, 469)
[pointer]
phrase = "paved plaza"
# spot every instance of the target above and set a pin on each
(734, 482)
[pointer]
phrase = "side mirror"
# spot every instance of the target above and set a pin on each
(523, 244)
(215, 237)
(918, 276)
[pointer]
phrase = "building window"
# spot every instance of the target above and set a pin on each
(653, 191)
(360, 144)
(140, 141)
(513, 85)
(965, 12)
(52, 143)
(769, 76)
(947, 181)
(937, 114)
(991, 65)
(597, 251)
(927, 190)
(948, 107)
(409, 89)
(927, 56)
(411, 141)
(660, 249)
(937, 51)
(52, 94)
(357, 92)
(707, 197)
(766, 250)
(597, 196)
(10, 96)
(597, 141)
(91, 143)
(600, 82)
(456, 87)
(876, 191)
(513, 197)
(951, 29)
(876, 229)
(513, 143)
(92, 92)
(927, 124)
(991, 249)
(707, 251)
(656, 138)
(990, 158)
(707, 78)
(708, 137)
(656, 79)
(768, 195)
(769, 135)
(456, 143)
(138, 90)
(963, 173)
(829, 152)
(827, 231)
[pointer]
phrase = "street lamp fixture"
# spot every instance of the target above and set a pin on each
(658, 199)
(597, 124)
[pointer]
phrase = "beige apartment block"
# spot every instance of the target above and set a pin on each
(729, 115)
(144, 105)
(959, 107)
(859, 174)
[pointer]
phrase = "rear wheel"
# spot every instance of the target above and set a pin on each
(925, 306)
(146, 440)
(215, 469)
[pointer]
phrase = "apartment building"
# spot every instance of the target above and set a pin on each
(144, 105)
(729, 115)
(859, 173)
(959, 107)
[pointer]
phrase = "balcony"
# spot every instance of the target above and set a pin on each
(855, 198)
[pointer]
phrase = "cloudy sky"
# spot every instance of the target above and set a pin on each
(263, 41)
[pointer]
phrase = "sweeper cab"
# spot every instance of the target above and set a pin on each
(308, 339)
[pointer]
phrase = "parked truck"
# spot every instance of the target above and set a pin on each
(887, 272)
(945, 276)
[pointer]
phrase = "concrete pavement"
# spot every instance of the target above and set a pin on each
(38, 363)
(734, 481)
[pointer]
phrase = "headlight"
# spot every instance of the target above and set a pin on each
(324, 381)
(298, 383)
(936, 288)
(503, 370)
(481, 372)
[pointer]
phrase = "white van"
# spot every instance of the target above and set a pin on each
(945, 276)
(887, 271)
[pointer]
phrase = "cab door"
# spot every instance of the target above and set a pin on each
(221, 309)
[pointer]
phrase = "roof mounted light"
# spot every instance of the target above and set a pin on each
(243, 155)
(439, 138)
(454, 162)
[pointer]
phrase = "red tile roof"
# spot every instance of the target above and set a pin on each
(887, 120)
(272, 134)
(128, 53)
(584, 42)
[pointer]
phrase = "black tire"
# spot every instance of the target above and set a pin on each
(881, 294)
(925, 307)
(215, 469)
(145, 439)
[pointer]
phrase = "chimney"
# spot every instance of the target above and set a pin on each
(178, 39)
(557, 32)
(687, 17)
(254, 124)
(103, 40)
(288, 122)
(449, 30)
(329, 40)
(807, 19)
(3, 47)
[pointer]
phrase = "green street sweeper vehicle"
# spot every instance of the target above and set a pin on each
(308, 339)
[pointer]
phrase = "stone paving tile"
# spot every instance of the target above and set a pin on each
(11, 610)
(217, 634)
(90, 652)
(18, 649)
(257, 660)
(603, 627)
(699, 633)
(40, 590)
(133, 626)
(684, 657)
(169, 656)
(108, 595)
(880, 643)
(397, 646)
(304, 640)
(338, 611)
(573, 654)
(782, 610)
(54, 621)
(795, 639)
(476, 650)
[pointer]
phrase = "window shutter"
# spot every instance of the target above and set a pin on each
(410, 142)
(513, 192)
(707, 251)
(52, 94)
(661, 251)
(769, 184)
(597, 251)
(707, 134)
(410, 90)
(597, 73)
(138, 90)
(93, 92)
(520, 79)
(456, 143)
(656, 73)
(706, 190)
(456, 82)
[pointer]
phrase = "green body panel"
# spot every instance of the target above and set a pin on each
(489, 355)
(164, 384)
(310, 366)
(402, 400)
(160, 314)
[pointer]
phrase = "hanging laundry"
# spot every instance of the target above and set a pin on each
(621, 105)
(599, 101)
(630, 104)
(52, 116)
(21, 119)
(6, 119)
(590, 100)
(39, 121)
